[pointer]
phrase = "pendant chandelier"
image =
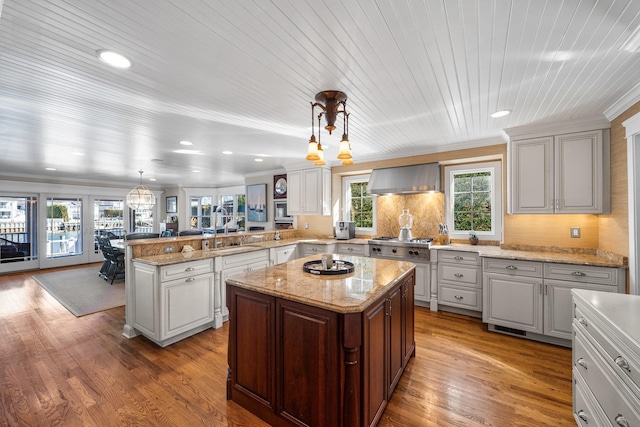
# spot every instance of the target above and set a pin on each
(140, 198)
(331, 103)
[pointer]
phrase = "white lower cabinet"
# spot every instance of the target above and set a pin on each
(460, 280)
(422, 289)
(173, 302)
(606, 359)
(235, 264)
(283, 254)
(535, 298)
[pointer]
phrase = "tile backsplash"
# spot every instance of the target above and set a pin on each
(427, 210)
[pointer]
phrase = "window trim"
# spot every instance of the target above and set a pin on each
(497, 217)
(346, 202)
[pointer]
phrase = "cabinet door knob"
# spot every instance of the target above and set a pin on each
(511, 267)
(620, 361)
(582, 415)
(189, 269)
(622, 421)
(578, 273)
(582, 321)
(582, 363)
(190, 279)
(459, 275)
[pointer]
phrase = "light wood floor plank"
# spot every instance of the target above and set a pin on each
(56, 369)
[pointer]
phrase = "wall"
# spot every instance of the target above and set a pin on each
(607, 232)
(614, 228)
(268, 180)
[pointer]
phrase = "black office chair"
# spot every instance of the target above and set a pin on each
(137, 236)
(190, 233)
(166, 233)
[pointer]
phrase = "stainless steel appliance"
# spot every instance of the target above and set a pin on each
(345, 230)
(415, 250)
(282, 218)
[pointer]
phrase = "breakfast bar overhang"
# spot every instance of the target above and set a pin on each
(320, 350)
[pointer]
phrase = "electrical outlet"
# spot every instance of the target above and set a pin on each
(168, 249)
(575, 232)
(205, 245)
(306, 226)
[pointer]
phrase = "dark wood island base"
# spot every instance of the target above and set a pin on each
(300, 364)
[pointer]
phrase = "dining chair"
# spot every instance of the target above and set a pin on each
(166, 233)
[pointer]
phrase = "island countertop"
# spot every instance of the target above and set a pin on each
(349, 293)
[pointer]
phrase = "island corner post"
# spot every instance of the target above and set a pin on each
(320, 367)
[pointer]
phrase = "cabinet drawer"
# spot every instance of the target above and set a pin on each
(311, 249)
(622, 361)
(513, 267)
(462, 276)
(460, 297)
(582, 273)
(231, 261)
(458, 257)
(351, 249)
(185, 269)
(612, 395)
(587, 412)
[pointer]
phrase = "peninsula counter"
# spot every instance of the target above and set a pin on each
(320, 350)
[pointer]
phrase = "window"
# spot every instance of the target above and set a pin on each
(358, 205)
(18, 228)
(200, 213)
(474, 200)
(226, 211)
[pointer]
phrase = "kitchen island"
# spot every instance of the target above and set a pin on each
(320, 350)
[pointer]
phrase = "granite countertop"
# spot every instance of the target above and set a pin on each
(577, 258)
(178, 257)
(349, 293)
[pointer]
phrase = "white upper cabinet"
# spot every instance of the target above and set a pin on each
(309, 192)
(567, 173)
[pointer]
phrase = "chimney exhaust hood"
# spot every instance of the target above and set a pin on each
(405, 179)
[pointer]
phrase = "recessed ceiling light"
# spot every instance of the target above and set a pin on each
(557, 56)
(113, 59)
(186, 143)
(187, 151)
(227, 152)
(500, 113)
(50, 169)
(77, 153)
(196, 171)
(152, 179)
(258, 160)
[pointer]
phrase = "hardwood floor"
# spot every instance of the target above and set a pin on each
(56, 369)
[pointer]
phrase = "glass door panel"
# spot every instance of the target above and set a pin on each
(108, 220)
(64, 228)
(18, 232)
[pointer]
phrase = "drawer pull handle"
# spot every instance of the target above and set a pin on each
(583, 416)
(459, 275)
(578, 273)
(582, 321)
(458, 296)
(620, 361)
(622, 421)
(349, 249)
(190, 279)
(314, 249)
(511, 267)
(582, 363)
(189, 269)
(458, 258)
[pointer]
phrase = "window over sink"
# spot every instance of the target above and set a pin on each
(473, 197)
(358, 205)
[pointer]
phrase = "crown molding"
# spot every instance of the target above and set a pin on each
(557, 128)
(624, 103)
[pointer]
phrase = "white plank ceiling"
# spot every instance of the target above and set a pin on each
(420, 75)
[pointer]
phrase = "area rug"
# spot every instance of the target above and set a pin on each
(81, 291)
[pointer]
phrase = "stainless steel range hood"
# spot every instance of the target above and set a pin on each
(405, 179)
